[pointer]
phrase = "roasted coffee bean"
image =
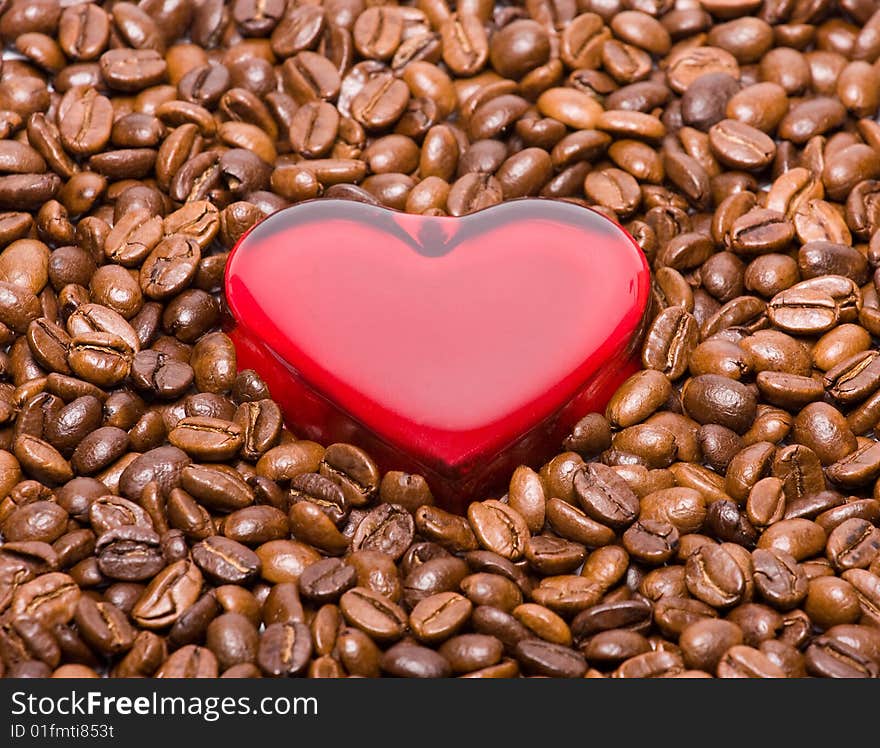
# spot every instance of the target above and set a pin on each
(632, 614)
(373, 613)
(49, 599)
(170, 593)
(352, 470)
(742, 661)
(491, 589)
(741, 146)
(605, 496)
(206, 438)
(170, 267)
(405, 660)
(545, 658)
(130, 553)
(728, 523)
(41, 459)
(217, 487)
(706, 100)
(388, 529)
(651, 541)
(442, 574)
(104, 626)
(233, 639)
(284, 649)
(799, 537)
(779, 578)
(469, 652)
(255, 525)
(98, 450)
(163, 465)
(669, 342)
(327, 580)
(41, 521)
(473, 192)
(853, 544)
(439, 616)
(823, 429)
(405, 489)
(710, 398)
(550, 555)
(610, 648)
(226, 561)
(713, 575)
(829, 658)
(312, 525)
(190, 661)
(447, 530)
(499, 528)
(703, 643)
(377, 572)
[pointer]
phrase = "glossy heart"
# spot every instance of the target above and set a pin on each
(454, 347)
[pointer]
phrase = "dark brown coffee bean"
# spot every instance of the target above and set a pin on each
(255, 525)
(550, 555)
(799, 537)
(190, 661)
(823, 429)
(741, 146)
(168, 595)
(443, 574)
(104, 626)
(705, 101)
(132, 69)
(406, 660)
(853, 544)
(547, 659)
(98, 450)
(498, 528)
(670, 340)
(380, 103)
(710, 398)
(729, 524)
(42, 460)
(85, 128)
(217, 487)
(49, 599)
(226, 561)
(284, 649)
(469, 652)
(388, 529)
(465, 46)
(605, 496)
(130, 553)
(473, 192)
(376, 615)
(327, 580)
(204, 438)
(42, 521)
(651, 541)
(829, 658)
(439, 616)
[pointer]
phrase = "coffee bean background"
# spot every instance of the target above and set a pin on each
(719, 519)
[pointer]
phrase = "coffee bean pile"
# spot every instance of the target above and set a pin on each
(719, 519)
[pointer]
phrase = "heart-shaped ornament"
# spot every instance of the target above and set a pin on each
(453, 347)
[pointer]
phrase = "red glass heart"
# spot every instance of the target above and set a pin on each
(454, 347)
